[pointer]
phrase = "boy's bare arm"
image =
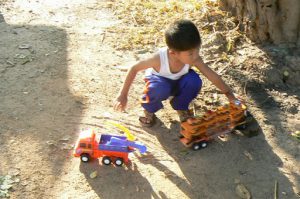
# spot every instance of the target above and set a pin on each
(121, 100)
(131, 76)
(214, 78)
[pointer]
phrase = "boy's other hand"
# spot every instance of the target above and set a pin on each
(120, 103)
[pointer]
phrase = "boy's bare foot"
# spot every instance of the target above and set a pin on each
(148, 119)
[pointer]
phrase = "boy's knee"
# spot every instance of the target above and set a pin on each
(193, 80)
(159, 93)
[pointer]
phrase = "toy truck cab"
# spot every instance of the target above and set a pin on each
(86, 145)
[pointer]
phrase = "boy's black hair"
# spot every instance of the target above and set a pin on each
(182, 35)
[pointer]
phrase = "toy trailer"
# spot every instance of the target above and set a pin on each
(110, 147)
(196, 132)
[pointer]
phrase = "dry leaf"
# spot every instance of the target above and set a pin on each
(248, 155)
(242, 191)
(93, 174)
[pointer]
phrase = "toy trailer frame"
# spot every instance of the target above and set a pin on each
(197, 132)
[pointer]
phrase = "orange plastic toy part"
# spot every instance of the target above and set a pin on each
(213, 123)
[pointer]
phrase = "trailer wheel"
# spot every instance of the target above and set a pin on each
(119, 162)
(241, 127)
(203, 144)
(199, 145)
(196, 146)
(106, 160)
(85, 157)
(248, 114)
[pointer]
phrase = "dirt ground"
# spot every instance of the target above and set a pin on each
(59, 74)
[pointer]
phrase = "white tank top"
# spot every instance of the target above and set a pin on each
(165, 68)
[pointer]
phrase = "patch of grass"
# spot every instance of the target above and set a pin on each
(144, 22)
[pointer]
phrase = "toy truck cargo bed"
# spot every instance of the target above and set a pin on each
(113, 143)
(119, 143)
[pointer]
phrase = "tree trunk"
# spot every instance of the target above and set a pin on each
(277, 21)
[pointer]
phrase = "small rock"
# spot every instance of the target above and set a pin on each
(24, 183)
(50, 142)
(24, 46)
(13, 172)
(11, 141)
(283, 193)
(65, 139)
(17, 180)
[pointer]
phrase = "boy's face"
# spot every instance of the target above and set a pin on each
(187, 57)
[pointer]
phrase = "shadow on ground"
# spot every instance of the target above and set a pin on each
(249, 161)
(278, 99)
(127, 181)
(36, 106)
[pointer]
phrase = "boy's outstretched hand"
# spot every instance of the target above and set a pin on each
(120, 103)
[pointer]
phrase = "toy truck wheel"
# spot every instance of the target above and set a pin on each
(106, 160)
(85, 157)
(119, 162)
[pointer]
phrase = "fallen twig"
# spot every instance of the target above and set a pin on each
(275, 190)
(245, 88)
(264, 101)
(135, 22)
(103, 37)
(223, 69)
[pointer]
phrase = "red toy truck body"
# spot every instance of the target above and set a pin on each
(110, 147)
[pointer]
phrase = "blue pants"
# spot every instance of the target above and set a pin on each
(160, 88)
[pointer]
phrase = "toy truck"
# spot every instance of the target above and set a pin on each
(110, 147)
(196, 132)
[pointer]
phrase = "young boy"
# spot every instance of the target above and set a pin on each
(169, 73)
